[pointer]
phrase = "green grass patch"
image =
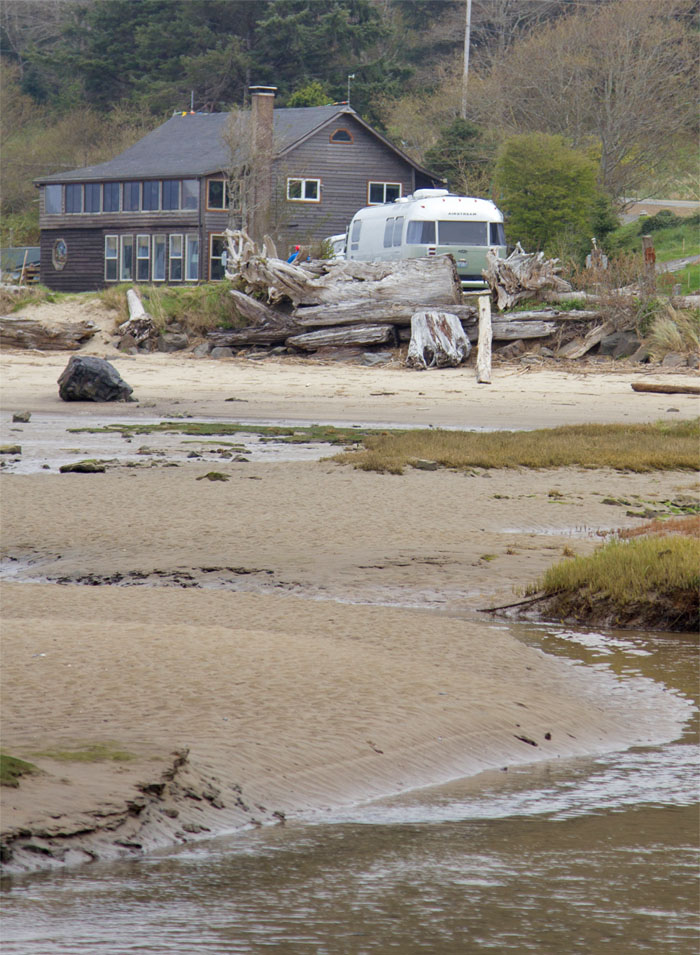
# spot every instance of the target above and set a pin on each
(92, 753)
(12, 769)
(323, 434)
(645, 581)
(642, 447)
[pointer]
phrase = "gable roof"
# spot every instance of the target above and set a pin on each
(192, 144)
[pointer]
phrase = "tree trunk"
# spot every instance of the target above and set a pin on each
(354, 335)
(483, 355)
(18, 332)
(666, 389)
(437, 341)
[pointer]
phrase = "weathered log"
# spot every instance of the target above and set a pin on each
(553, 315)
(139, 325)
(434, 281)
(483, 354)
(437, 341)
(351, 335)
(666, 389)
(521, 275)
(19, 332)
(385, 313)
(269, 334)
(254, 311)
(579, 347)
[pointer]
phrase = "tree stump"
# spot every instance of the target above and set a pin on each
(437, 341)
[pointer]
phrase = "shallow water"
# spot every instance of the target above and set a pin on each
(588, 856)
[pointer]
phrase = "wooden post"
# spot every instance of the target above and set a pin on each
(483, 353)
(649, 260)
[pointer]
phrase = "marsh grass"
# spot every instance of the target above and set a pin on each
(324, 434)
(649, 581)
(643, 447)
(674, 330)
(12, 769)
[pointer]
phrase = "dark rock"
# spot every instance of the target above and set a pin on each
(86, 378)
(512, 350)
(674, 360)
(83, 467)
(201, 350)
(221, 352)
(127, 344)
(172, 341)
(620, 344)
(642, 355)
(377, 358)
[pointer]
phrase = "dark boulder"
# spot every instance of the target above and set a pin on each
(86, 378)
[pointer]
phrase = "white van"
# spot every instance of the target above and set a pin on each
(430, 222)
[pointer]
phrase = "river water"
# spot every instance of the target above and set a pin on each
(595, 856)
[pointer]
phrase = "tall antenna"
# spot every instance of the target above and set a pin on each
(465, 77)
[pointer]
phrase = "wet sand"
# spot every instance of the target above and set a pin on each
(303, 634)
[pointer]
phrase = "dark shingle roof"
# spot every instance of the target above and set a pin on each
(192, 145)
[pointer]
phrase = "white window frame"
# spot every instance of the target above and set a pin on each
(303, 197)
(371, 202)
(112, 241)
(192, 241)
(176, 258)
(139, 259)
(217, 258)
(160, 238)
(124, 241)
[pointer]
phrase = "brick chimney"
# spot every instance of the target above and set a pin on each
(262, 144)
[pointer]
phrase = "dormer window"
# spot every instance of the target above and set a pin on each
(341, 135)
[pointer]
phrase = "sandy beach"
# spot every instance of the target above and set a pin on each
(302, 634)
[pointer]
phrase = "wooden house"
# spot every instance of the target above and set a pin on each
(157, 212)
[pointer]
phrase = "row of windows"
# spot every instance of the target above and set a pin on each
(168, 195)
(444, 232)
(161, 258)
(151, 195)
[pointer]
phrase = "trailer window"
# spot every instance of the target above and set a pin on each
(420, 233)
(398, 229)
(498, 236)
(388, 232)
(462, 233)
(355, 234)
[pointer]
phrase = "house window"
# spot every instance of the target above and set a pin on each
(52, 200)
(190, 194)
(143, 254)
(151, 196)
(126, 260)
(158, 258)
(74, 197)
(380, 192)
(341, 136)
(132, 195)
(93, 194)
(192, 258)
(111, 258)
(176, 258)
(217, 194)
(218, 253)
(171, 194)
(304, 190)
(110, 197)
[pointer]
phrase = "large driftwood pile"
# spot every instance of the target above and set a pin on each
(17, 331)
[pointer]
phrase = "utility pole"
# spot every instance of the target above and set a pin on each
(351, 76)
(465, 76)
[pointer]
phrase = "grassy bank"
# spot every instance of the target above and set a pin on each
(651, 580)
(644, 447)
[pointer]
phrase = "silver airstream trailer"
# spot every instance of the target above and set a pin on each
(430, 222)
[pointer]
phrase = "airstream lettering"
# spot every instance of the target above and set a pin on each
(430, 222)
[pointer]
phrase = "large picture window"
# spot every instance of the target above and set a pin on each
(176, 258)
(111, 258)
(192, 258)
(158, 258)
(151, 196)
(93, 195)
(74, 197)
(52, 200)
(132, 195)
(110, 197)
(304, 190)
(380, 192)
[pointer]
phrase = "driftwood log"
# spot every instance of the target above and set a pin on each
(666, 389)
(521, 275)
(581, 346)
(483, 354)
(437, 341)
(351, 335)
(139, 325)
(19, 332)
